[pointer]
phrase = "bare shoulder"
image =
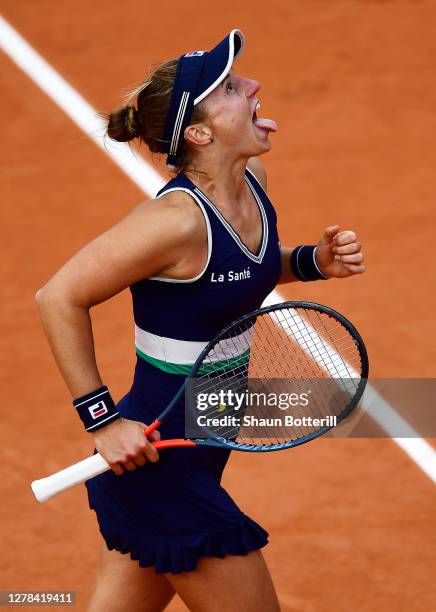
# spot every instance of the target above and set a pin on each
(258, 169)
(175, 210)
(156, 237)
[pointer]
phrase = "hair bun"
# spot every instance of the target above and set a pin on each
(124, 124)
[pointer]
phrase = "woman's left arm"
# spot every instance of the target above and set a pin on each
(338, 255)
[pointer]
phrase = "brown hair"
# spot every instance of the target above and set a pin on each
(147, 121)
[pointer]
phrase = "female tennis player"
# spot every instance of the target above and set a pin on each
(196, 257)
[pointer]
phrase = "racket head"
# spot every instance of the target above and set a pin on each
(291, 341)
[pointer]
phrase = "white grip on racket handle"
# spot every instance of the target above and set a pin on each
(46, 488)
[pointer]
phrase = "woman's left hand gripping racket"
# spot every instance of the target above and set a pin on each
(275, 378)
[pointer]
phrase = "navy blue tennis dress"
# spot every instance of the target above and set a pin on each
(171, 513)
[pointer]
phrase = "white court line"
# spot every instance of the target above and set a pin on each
(147, 179)
(377, 407)
(76, 107)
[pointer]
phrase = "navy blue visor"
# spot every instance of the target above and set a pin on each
(197, 74)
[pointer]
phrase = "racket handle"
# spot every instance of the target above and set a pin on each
(46, 488)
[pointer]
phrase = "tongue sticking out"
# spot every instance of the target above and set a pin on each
(265, 124)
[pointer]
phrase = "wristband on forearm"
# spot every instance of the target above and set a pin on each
(96, 409)
(303, 264)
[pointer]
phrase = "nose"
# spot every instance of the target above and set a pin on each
(252, 87)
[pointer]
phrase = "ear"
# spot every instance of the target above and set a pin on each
(198, 134)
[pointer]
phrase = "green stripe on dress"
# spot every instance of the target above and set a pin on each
(206, 368)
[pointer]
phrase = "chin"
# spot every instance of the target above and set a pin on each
(264, 148)
(256, 151)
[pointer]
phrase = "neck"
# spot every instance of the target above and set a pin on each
(222, 178)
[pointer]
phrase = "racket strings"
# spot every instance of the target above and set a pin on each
(267, 371)
(286, 351)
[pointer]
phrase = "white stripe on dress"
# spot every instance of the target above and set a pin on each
(185, 352)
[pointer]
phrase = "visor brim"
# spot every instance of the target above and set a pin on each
(219, 62)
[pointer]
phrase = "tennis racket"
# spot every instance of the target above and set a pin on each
(306, 355)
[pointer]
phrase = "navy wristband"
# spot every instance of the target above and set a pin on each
(303, 264)
(96, 409)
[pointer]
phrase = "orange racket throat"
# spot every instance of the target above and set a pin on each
(151, 428)
(171, 443)
(166, 443)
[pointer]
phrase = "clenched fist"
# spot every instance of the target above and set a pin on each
(339, 254)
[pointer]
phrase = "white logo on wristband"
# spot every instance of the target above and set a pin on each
(98, 410)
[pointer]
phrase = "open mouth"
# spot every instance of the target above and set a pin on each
(254, 117)
(263, 124)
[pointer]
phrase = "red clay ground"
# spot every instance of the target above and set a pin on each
(351, 85)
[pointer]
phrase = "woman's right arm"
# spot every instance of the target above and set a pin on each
(157, 237)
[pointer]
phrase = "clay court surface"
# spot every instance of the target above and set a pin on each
(352, 87)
